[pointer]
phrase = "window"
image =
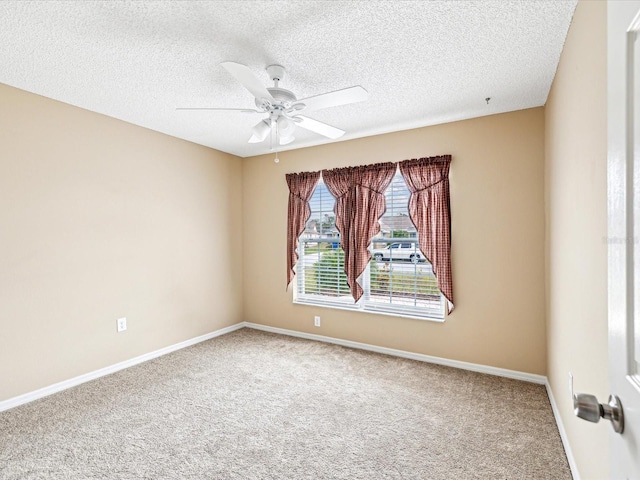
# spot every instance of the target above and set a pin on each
(398, 280)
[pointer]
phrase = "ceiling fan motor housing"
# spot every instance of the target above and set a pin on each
(284, 98)
(282, 95)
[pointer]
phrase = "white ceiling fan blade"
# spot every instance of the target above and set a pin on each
(334, 99)
(243, 110)
(246, 77)
(319, 127)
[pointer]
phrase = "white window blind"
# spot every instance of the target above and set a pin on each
(398, 280)
(320, 267)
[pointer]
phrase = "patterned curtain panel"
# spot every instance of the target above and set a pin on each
(430, 211)
(301, 187)
(360, 202)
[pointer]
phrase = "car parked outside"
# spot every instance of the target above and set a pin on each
(398, 251)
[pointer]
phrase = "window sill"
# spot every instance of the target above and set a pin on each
(373, 312)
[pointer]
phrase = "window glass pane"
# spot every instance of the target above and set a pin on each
(322, 221)
(404, 283)
(395, 223)
(400, 275)
(325, 270)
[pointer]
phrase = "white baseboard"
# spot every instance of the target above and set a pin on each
(474, 367)
(563, 434)
(72, 382)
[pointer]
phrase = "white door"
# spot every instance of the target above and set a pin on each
(623, 168)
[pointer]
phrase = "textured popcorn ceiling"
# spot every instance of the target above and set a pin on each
(423, 62)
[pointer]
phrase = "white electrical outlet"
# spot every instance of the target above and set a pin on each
(122, 324)
(316, 321)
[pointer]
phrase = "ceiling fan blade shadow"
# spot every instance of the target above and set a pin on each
(334, 99)
(243, 110)
(247, 78)
(286, 140)
(319, 127)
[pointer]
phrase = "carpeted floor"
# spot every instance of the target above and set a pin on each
(254, 405)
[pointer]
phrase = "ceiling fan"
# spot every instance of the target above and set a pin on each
(283, 108)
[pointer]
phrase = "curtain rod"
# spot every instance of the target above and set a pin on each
(433, 159)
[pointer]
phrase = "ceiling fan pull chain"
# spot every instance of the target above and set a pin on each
(271, 136)
(276, 160)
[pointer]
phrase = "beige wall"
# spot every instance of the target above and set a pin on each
(497, 203)
(102, 219)
(576, 227)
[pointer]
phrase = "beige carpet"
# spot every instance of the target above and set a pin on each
(254, 405)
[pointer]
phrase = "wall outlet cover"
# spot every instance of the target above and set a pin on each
(122, 324)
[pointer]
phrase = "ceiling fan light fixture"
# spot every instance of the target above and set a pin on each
(285, 127)
(260, 131)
